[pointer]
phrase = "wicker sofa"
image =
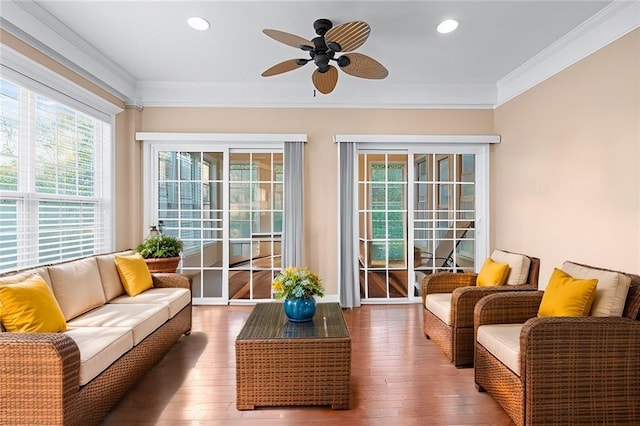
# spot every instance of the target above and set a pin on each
(448, 300)
(562, 370)
(75, 377)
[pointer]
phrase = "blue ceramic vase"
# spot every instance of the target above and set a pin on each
(300, 310)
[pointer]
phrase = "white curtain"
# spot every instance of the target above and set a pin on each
(349, 283)
(292, 221)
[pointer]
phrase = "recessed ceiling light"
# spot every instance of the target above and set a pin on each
(198, 23)
(447, 26)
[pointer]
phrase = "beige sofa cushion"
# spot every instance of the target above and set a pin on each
(611, 292)
(141, 319)
(109, 273)
(99, 348)
(503, 342)
(23, 275)
(440, 305)
(173, 298)
(77, 286)
(518, 266)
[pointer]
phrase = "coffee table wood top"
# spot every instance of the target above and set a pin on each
(268, 321)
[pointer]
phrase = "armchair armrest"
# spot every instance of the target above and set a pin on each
(464, 300)
(445, 282)
(166, 280)
(584, 362)
(39, 372)
(509, 307)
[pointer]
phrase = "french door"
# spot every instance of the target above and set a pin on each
(226, 204)
(421, 210)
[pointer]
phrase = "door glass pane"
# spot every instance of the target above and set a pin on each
(444, 212)
(255, 223)
(189, 206)
(382, 205)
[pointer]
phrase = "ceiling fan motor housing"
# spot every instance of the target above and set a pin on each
(321, 26)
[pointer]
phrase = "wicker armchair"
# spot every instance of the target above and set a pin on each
(580, 371)
(456, 338)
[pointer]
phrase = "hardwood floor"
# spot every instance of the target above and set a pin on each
(398, 377)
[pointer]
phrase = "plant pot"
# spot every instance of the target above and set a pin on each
(166, 264)
(300, 310)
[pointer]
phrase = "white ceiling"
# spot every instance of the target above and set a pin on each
(145, 52)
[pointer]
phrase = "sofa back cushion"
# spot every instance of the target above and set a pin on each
(16, 277)
(111, 283)
(77, 286)
(611, 292)
(518, 266)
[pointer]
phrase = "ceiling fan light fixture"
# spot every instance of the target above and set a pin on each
(447, 26)
(198, 23)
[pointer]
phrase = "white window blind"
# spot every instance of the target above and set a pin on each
(55, 185)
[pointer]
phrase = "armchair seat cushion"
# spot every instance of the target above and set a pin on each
(503, 342)
(440, 305)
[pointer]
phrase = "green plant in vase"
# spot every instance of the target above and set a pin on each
(156, 248)
(298, 286)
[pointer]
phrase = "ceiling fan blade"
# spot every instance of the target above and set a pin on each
(364, 66)
(325, 82)
(285, 66)
(288, 39)
(349, 35)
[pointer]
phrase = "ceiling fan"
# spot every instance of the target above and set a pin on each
(331, 41)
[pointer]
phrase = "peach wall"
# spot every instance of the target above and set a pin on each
(565, 183)
(320, 205)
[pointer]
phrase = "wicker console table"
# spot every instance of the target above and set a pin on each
(281, 363)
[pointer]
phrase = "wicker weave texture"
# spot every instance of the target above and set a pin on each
(279, 363)
(439, 333)
(456, 340)
(293, 372)
(501, 383)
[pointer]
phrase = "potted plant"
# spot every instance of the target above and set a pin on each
(298, 286)
(161, 252)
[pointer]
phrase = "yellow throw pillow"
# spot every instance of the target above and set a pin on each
(492, 274)
(29, 306)
(134, 274)
(566, 296)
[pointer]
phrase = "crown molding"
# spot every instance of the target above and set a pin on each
(357, 94)
(34, 25)
(612, 22)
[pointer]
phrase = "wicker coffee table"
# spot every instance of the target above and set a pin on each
(281, 363)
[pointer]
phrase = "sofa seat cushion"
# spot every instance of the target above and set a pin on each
(77, 286)
(141, 319)
(503, 342)
(99, 348)
(611, 291)
(518, 266)
(440, 305)
(174, 298)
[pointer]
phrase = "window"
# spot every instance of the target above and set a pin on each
(55, 185)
